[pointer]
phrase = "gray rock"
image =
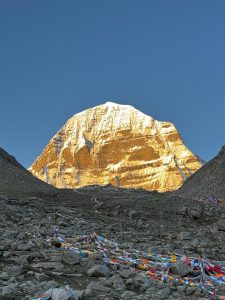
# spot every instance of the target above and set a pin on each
(180, 268)
(127, 273)
(132, 214)
(130, 284)
(164, 293)
(116, 282)
(194, 243)
(41, 243)
(8, 290)
(23, 260)
(181, 288)
(50, 284)
(140, 222)
(178, 296)
(14, 270)
(30, 287)
(71, 258)
(64, 294)
(48, 265)
(128, 295)
(185, 235)
(190, 290)
(144, 287)
(221, 225)
(99, 271)
(4, 276)
(140, 280)
(41, 277)
(195, 212)
(94, 287)
(56, 258)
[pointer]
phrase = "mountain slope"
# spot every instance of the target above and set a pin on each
(13, 176)
(209, 181)
(116, 144)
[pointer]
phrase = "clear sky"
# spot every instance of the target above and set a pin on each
(57, 58)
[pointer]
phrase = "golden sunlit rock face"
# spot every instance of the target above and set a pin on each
(116, 144)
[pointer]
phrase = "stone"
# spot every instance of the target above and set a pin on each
(96, 287)
(195, 242)
(41, 277)
(4, 276)
(195, 212)
(64, 294)
(140, 222)
(180, 268)
(96, 145)
(190, 290)
(128, 295)
(140, 280)
(127, 273)
(181, 288)
(23, 259)
(9, 290)
(164, 293)
(71, 258)
(185, 235)
(116, 282)
(48, 265)
(132, 214)
(221, 225)
(14, 270)
(57, 258)
(99, 271)
(50, 284)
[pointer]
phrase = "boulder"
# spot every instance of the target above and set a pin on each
(164, 293)
(140, 280)
(181, 269)
(116, 282)
(95, 287)
(128, 295)
(71, 258)
(99, 271)
(127, 273)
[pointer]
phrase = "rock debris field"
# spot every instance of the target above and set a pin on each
(107, 243)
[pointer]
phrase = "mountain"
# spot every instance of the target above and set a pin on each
(13, 176)
(116, 144)
(208, 182)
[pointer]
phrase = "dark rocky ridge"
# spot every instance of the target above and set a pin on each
(207, 181)
(13, 176)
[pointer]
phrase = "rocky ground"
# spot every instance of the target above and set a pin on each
(208, 183)
(162, 223)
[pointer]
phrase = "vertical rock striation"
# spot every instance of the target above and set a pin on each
(116, 144)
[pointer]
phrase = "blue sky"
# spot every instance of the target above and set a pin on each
(57, 58)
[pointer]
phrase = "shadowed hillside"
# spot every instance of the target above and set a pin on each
(208, 182)
(13, 176)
